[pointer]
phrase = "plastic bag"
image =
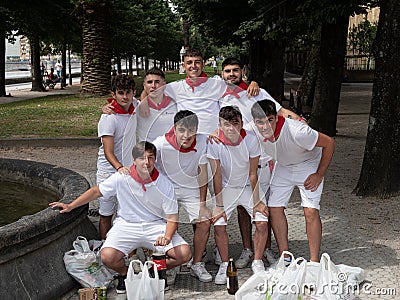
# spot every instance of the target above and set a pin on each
(331, 282)
(255, 288)
(141, 286)
(290, 285)
(82, 265)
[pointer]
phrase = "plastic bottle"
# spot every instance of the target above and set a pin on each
(232, 283)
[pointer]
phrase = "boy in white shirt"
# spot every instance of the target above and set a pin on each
(118, 136)
(234, 162)
(181, 156)
(147, 213)
(303, 156)
(162, 109)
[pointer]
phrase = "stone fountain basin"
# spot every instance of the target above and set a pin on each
(32, 248)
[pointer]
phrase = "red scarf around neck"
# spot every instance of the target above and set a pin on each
(279, 125)
(118, 109)
(225, 141)
(170, 136)
(241, 87)
(133, 172)
(201, 79)
(164, 103)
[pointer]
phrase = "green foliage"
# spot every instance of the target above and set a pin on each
(362, 37)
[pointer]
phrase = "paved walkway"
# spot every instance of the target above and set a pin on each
(346, 240)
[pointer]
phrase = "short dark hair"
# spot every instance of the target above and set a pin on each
(140, 148)
(263, 108)
(232, 61)
(123, 82)
(230, 113)
(155, 71)
(192, 53)
(186, 118)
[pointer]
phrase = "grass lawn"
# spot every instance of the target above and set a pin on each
(60, 116)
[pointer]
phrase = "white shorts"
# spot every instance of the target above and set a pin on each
(284, 181)
(125, 236)
(233, 197)
(107, 205)
(189, 200)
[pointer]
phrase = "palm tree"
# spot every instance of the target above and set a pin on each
(96, 54)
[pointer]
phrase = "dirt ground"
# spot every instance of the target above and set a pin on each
(370, 218)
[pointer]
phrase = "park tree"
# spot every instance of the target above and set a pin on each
(380, 174)
(96, 54)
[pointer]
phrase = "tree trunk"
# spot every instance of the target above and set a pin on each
(69, 65)
(330, 73)
(380, 174)
(267, 66)
(2, 58)
(130, 65)
(64, 64)
(186, 33)
(96, 54)
(37, 80)
(306, 89)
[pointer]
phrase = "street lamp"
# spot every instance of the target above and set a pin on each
(182, 53)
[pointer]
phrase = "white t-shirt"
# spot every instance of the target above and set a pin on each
(295, 145)
(204, 101)
(123, 128)
(136, 205)
(235, 160)
(181, 167)
(157, 123)
(245, 103)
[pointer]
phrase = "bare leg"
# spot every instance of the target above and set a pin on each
(200, 239)
(260, 239)
(221, 239)
(114, 259)
(280, 227)
(268, 244)
(314, 232)
(105, 224)
(245, 227)
(178, 256)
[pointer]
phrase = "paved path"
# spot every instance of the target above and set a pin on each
(347, 239)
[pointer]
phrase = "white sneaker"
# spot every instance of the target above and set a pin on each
(269, 257)
(190, 262)
(198, 270)
(257, 266)
(220, 278)
(217, 257)
(244, 259)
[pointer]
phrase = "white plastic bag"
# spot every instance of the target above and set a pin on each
(255, 288)
(331, 282)
(290, 284)
(81, 264)
(141, 286)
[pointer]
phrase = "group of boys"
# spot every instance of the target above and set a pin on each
(175, 163)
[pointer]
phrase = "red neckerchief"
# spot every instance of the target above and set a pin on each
(164, 103)
(170, 136)
(201, 79)
(241, 87)
(118, 109)
(279, 125)
(225, 141)
(133, 172)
